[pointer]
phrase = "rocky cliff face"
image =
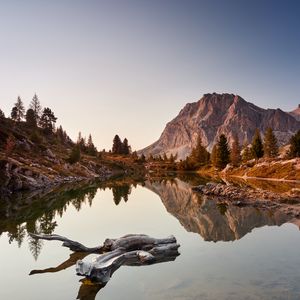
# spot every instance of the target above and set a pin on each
(296, 113)
(215, 114)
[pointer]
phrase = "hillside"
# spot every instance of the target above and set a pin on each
(38, 159)
(215, 114)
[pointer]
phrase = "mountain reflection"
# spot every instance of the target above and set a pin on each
(211, 219)
(36, 211)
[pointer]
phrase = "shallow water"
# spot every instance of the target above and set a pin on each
(225, 253)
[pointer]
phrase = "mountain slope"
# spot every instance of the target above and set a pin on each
(296, 113)
(215, 114)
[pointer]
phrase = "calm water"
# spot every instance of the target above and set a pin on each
(226, 252)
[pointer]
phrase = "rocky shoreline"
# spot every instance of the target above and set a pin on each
(16, 176)
(241, 196)
(244, 193)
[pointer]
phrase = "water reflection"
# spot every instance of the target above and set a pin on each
(36, 211)
(213, 220)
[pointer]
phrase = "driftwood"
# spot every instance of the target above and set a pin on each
(129, 250)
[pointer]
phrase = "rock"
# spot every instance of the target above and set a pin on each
(214, 114)
(49, 153)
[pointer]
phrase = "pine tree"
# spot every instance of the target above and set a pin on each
(75, 155)
(2, 115)
(125, 147)
(295, 145)
(257, 145)
(117, 145)
(35, 105)
(235, 153)
(18, 111)
(270, 144)
(165, 157)
(91, 149)
(134, 156)
(31, 118)
(246, 153)
(81, 142)
(223, 152)
(199, 155)
(48, 120)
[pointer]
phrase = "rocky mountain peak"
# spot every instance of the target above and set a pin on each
(215, 114)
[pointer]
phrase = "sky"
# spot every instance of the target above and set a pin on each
(128, 67)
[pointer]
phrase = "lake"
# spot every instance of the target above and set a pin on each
(225, 253)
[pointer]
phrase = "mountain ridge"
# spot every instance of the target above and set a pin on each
(215, 114)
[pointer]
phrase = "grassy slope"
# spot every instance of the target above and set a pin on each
(280, 169)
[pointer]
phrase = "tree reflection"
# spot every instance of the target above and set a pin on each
(36, 212)
(120, 192)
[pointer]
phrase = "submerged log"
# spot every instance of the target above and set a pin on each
(129, 250)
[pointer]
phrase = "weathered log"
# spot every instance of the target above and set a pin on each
(129, 250)
(72, 245)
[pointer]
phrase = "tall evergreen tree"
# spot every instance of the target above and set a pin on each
(91, 149)
(199, 155)
(48, 120)
(117, 145)
(270, 144)
(246, 153)
(235, 153)
(295, 145)
(2, 115)
(35, 105)
(257, 148)
(125, 147)
(31, 118)
(18, 111)
(223, 152)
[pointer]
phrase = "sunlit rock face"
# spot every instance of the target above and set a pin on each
(296, 113)
(203, 215)
(215, 114)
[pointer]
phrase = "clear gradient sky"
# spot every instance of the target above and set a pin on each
(128, 67)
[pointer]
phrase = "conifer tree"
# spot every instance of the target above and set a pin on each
(18, 111)
(81, 142)
(199, 155)
(134, 155)
(31, 118)
(235, 153)
(2, 115)
(246, 153)
(165, 157)
(172, 158)
(48, 120)
(223, 152)
(117, 145)
(125, 147)
(257, 145)
(35, 105)
(91, 149)
(295, 145)
(270, 144)
(74, 155)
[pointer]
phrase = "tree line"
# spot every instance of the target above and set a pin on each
(34, 116)
(222, 153)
